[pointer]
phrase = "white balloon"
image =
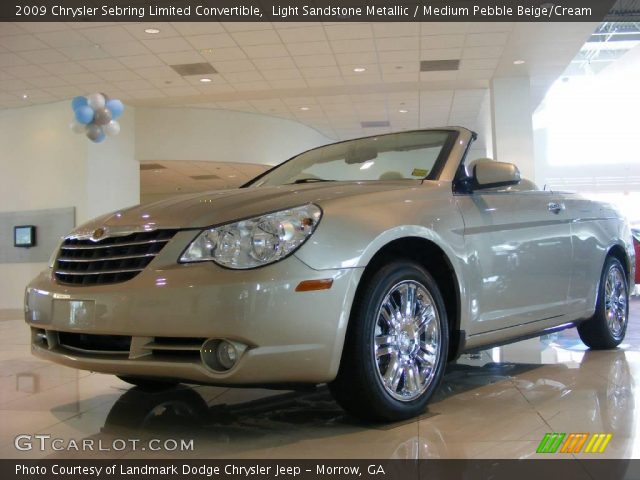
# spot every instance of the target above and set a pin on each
(77, 127)
(95, 101)
(112, 128)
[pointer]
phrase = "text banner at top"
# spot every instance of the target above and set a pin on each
(305, 10)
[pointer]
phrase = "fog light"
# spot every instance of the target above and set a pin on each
(221, 355)
(226, 354)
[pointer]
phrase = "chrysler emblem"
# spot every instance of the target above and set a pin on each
(98, 233)
(101, 233)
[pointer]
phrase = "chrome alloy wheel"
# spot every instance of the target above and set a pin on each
(406, 340)
(615, 300)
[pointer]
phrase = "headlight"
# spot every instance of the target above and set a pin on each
(256, 241)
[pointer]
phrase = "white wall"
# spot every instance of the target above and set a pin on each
(113, 171)
(220, 135)
(483, 146)
(41, 160)
(45, 165)
(513, 124)
(38, 156)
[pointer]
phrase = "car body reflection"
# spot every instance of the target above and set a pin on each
(595, 395)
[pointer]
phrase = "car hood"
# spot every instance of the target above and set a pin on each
(217, 207)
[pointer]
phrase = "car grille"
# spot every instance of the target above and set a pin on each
(112, 344)
(112, 260)
(174, 348)
(178, 349)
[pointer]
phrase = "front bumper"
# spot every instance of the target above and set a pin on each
(291, 337)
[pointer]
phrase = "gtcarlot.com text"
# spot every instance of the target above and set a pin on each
(44, 442)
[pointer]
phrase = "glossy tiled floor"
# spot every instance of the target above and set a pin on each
(497, 404)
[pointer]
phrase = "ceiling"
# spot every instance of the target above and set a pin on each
(608, 43)
(330, 76)
(159, 179)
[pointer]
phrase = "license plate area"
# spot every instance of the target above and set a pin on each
(73, 314)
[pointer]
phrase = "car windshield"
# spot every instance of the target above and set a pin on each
(399, 156)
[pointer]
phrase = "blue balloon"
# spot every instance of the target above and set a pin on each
(84, 114)
(100, 138)
(78, 102)
(116, 107)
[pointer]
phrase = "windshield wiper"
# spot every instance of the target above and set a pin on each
(311, 180)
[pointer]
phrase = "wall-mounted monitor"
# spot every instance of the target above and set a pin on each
(24, 236)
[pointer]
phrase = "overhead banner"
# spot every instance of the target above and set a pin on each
(313, 10)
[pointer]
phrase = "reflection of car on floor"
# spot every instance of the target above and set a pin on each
(365, 264)
(308, 417)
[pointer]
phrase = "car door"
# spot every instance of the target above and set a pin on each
(519, 255)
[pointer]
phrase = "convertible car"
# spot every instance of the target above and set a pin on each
(365, 264)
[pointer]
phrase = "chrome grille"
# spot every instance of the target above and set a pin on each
(112, 260)
(176, 348)
(86, 343)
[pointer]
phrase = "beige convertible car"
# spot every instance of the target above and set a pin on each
(365, 264)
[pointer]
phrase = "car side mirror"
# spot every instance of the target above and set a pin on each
(487, 173)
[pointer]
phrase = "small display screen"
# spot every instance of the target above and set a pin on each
(24, 236)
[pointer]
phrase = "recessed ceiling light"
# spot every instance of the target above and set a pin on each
(206, 50)
(97, 46)
(359, 69)
(25, 96)
(205, 80)
(403, 110)
(518, 62)
(304, 109)
(152, 31)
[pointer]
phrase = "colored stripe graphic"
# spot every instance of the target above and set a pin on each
(550, 443)
(607, 439)
(557, 443)
(543, 443)
(573, 442)
(598, 443)
(581, 442)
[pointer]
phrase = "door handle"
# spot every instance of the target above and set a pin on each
(555, 207)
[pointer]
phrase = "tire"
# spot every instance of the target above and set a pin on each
(148, 384)
(385, 375)
(606, 329)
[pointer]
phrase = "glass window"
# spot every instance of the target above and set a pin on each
(399, 156)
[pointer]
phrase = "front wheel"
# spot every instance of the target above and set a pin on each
(607, 327)
(396, 346)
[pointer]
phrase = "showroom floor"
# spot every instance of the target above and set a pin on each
(497, 404)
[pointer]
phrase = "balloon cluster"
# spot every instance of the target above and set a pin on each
(95, 116)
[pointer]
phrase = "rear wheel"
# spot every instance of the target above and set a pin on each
(148, 383)
(396, 347)
(607, 327)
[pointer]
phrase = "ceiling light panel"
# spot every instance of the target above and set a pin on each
(439, 65)
(188, 69)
